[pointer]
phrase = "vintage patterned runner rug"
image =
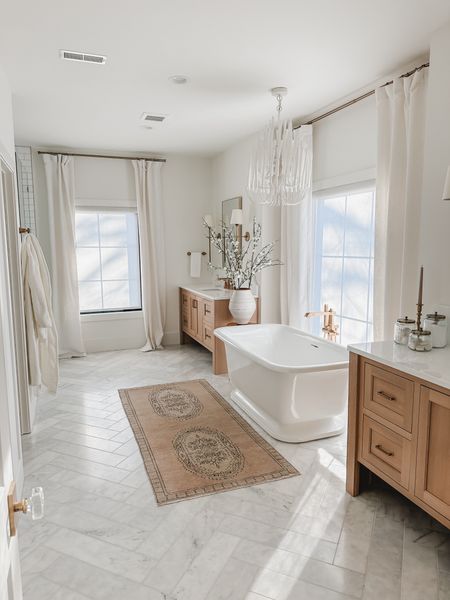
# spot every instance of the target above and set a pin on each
(194, 443)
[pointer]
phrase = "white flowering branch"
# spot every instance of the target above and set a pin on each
(242, 262)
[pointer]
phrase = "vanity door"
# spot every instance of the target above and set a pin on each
(433, 452)
(185, 311)
(194, 317)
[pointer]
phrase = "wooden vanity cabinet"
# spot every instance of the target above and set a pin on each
(433, 450)
(399, 428)
(199, 316)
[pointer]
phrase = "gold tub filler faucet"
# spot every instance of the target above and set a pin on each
(330, 329)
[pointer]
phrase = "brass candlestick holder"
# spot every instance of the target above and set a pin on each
(420, 302)
(419, 316)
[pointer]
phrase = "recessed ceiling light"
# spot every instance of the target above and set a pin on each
(178, 79)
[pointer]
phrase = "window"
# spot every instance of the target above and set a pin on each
(344, 259)
(108, 261)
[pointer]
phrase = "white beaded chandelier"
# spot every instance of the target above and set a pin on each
(276, 175)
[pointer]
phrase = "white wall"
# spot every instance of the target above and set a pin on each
(229, 179)
(344, 152)
(186, 193)
(345, 146)
(435, 246)
(6, 121)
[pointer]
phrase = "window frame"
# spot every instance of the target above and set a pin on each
(81, 208)
(337, 192)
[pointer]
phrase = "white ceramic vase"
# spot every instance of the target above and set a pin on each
(242, 306)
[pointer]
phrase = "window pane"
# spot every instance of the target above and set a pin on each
(352, 332)
(115, 263)
(333, 215)
(370, 315)
(88, 264)
(344, 262)
(90, 295)
(117, 229)
(355, 288)
(358, 231)
(331, 282)
(108, 261)
(86, 229)
(116, 294)
(135, 292)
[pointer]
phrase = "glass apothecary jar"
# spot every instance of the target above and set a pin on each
(437, 324)
(402, 329)
(420, 340)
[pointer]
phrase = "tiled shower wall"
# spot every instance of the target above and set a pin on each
(25, 187)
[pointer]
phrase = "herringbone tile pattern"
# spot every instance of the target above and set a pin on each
(104, 538)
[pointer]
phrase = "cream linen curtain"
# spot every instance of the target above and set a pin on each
(401, 125)
(59, 171)
(151, 242)
(297, 245)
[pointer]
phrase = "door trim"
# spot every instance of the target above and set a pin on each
(27, 408)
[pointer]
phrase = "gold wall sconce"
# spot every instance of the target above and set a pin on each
(237, 220)
(208, 220)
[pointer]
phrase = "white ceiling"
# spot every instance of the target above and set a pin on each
(233, 51)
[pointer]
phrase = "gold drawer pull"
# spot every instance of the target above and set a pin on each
(207, 335)
(381, 449)
(206, 309)
(194, 303)
(386, 396)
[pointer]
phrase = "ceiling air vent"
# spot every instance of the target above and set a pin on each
(82, 57)
(148, 118)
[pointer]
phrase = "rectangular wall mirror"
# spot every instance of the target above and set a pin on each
(227, 208)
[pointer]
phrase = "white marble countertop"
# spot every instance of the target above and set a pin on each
(433, 366)
(208, 291)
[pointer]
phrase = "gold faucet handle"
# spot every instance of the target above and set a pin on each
(317, 313)
(320, 313)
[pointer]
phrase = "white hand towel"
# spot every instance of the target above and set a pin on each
(196, 264)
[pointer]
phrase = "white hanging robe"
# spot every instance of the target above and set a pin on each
(42, 339)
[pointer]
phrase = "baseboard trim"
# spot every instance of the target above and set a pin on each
(171, 338)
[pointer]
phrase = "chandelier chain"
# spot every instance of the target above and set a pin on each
(279, 98)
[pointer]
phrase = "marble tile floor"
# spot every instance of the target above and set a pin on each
(104, 538)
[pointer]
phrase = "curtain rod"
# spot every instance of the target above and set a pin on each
(103, 156)
(362, 97)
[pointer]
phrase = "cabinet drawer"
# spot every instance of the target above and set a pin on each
(388, 395)
(387, 451)
(208, 336)
(208, 311)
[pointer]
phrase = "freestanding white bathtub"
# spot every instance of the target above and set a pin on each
(292, 384)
